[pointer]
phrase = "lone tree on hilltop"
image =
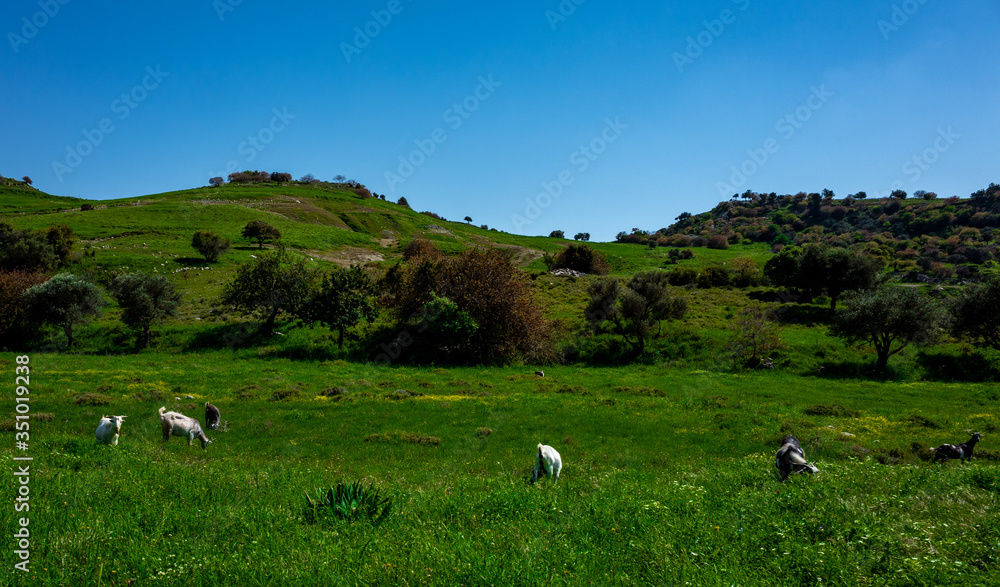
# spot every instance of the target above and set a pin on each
(144, 299)
(344, 298)
(557, 234)
(216, 181)
(269, 285)
(260, 231)
(888, 319)
(634, 310)
(468, 219)
(975, 315)
(64, 300)
(210, 245)
(26, 180)
(582, 236)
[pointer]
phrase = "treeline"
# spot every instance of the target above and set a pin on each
(251, 177)
(931, 239)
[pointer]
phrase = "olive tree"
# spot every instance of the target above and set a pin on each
(635, 309)
(210, 245)
(260, 231)
(64, 300)
(888, 319)
(344, 298)
(268, 286)
(145, 300)
(976, 313)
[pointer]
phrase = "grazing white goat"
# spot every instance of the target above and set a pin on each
(791, 457)
(109, 428)
(962, 452)
(547, 462)
(176, 424)
(212, 416)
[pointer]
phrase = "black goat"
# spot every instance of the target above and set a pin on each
(791, 457)
(212, 417)
(962, 451)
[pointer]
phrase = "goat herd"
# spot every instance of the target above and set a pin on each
(790, 457)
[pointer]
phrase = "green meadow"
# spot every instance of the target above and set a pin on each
(668, 476)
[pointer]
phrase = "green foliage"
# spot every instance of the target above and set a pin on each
(634, 310)
(580, 257)
(976, 313)
(350, 502)
(714, 276)
(557, 234)
(755, 338)
(261, 232)
(269, 285)
(145, 300)
(682, 276)
(446, 326)
(210, 245)
(814, 268)
(888, 319)
(491, 290)
(64, 300)
(344, 298)
(25, 250)
(13, 284)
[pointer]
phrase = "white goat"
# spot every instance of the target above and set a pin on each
(177, 424)
(109, 428)
(547, 462)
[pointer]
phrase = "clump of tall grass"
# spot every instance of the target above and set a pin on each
(347, 501)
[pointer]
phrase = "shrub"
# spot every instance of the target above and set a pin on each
(557, 234)
(419, 248)
(718, 241)
(682, 276)
(491, 290)
(714, 276)
(755, 338)
(260, 231)
(277, 177)
(581, 258)
(91, 399)
(350, 502)
(633, 310)
(210, 245)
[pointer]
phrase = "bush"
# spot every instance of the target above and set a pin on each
(755, 338)
(718, 241)
(260, 231)
(420, 248)
(714, 276)
(682, 276)
(350, 502)
(581, 258)
(210, 245)
(13, 323)
(491, 290)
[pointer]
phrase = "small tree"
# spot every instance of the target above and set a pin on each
(755, 337)
(279, 177)
(269, 285)
(307, 178)
(580, 258)
(64, 300)
(145, 300)
(468, 219)
(210, 245)
(25, 250)
(216, 181)
(887, 319)
(976, 313)
(582, 236)
(557, 234)
(402, 202)
(898, 194)
(344, 298)
(260, 231)
(26, 180)
(634, 310)
(340, 178)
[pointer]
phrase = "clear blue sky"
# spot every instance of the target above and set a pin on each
(611, 99)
